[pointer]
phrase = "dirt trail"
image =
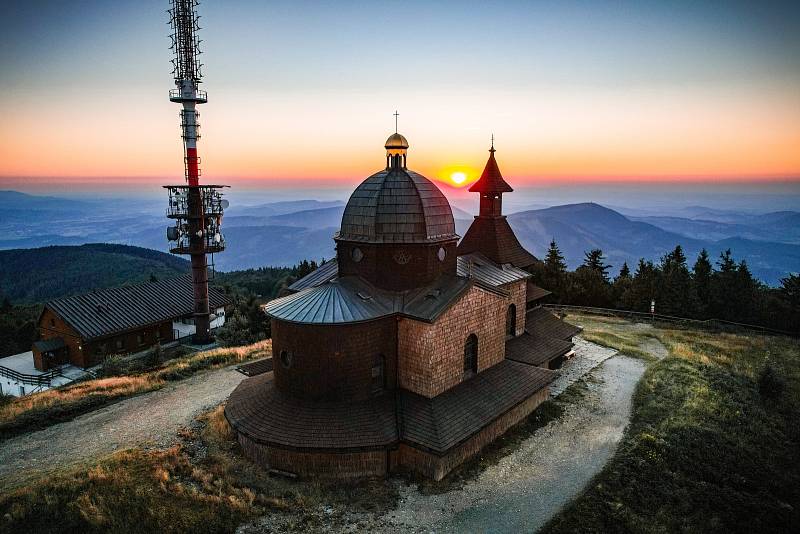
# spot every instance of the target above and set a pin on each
(149, 419)
(526, 488)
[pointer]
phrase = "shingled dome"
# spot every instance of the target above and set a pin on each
(397, 206)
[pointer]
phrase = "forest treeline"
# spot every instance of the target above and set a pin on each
(712, 288)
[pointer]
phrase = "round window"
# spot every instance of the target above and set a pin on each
(286, 359)
(442, 254)
(357, 255)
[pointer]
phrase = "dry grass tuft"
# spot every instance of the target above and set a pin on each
(40, 410)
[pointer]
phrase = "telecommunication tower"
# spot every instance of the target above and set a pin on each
(196, 209)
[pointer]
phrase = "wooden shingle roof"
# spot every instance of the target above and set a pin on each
(535, 350)
(542, 323)
(535, 292)
(257, 409)
(115, 310)
(446, 420)
(494, 238)
(397, 206)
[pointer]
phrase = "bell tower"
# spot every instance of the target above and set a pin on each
(490, 234)
(491, 187)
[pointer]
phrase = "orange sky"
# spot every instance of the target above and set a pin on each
(666, 95)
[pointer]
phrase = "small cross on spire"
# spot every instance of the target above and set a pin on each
(396, 114)
(492, 149)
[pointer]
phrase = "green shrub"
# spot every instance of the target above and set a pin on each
(770, 383)
(114, 365)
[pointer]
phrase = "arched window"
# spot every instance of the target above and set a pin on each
(286, 359)
(378, 374)
(511, 321)
(471, 356)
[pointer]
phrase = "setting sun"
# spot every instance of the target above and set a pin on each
(458, 178)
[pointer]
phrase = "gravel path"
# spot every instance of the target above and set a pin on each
(526, 488)
(151, 419)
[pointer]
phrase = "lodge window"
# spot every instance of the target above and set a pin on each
(52, 322)
(118, 344)
(511, 321)
(378, 374)
(140, 339)
(471, 356)
(286, 359)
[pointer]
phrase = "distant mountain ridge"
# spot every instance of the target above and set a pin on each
(40, 274)
(284, 233)
(580, 227)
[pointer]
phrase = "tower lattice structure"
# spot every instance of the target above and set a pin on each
(196, 209)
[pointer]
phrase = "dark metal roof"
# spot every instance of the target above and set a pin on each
(351, 299)
(541, 322)
(444, 421)
(47, 345)
(112, 311)
(482, 268)
(397, 206)
(257, 409)
(535, 350)
(327, 271)
(494, 238)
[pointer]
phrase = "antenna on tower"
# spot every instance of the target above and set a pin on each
(197, 210)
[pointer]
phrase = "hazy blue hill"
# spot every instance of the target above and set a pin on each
(258, 246)
(580, 227)
(780, 227)
(40, 274)
(316, 218)
(14, 200)
(280, 208)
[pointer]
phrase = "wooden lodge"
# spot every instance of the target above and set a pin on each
(83, 329)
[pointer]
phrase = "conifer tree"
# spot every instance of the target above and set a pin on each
(555, 272)
(701, 279)
(643, 287)
(622, 283)
(595, 261)
(675, 294)
(554, 261)
(790, 290)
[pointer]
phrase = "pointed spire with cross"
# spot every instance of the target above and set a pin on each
(492, 149)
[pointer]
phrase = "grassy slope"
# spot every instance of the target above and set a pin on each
(40, 410)
(706, 451)
(200, 485)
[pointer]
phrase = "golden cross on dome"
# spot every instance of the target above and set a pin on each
(396, 114)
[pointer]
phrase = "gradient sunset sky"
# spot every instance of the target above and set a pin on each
(302, 93)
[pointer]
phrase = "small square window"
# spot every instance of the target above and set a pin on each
(118, 344)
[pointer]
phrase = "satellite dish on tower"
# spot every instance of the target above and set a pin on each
(224, 204)
(172, 233)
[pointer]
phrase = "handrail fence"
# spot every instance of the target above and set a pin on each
(707, 323)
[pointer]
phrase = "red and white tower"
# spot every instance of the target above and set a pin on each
(197, 209)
